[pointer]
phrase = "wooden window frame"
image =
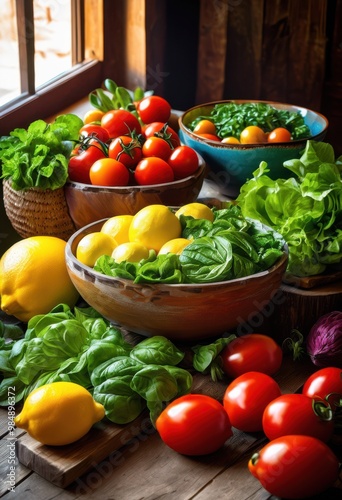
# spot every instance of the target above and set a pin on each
(63, 91)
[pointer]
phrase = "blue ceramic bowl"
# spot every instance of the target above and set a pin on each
(232, 164)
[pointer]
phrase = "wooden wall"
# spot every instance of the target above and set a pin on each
(282, 50)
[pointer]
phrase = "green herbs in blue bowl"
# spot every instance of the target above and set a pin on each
(232, 164)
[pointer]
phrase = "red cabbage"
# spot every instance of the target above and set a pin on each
(324, 342)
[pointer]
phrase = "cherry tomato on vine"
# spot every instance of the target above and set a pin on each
(252, 135)
(279, 134)
(211, 137)
(324, 382)
(82, 159)
(125, 149)
(183, 161)
(120, 122)
(194, 424)
(163, 130)
(109, 172)
(298, 414)
(154, 108)
(295, 466)
(205, 127)
(153, 170)
(94, 130)
(251, 352)
(246, 398)
(156, 146)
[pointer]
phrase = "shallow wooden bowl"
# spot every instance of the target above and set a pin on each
(87, 203)
(184, 312)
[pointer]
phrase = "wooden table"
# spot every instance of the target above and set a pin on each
(144, 467)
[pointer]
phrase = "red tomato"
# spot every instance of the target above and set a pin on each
(184, 161)
(153, 170)
(251, 352)
(109, 172)
(156, 146)
(120, 122)
(324, 382)
(82, 159)
(279, 134)
(194, 424)
(163, 130)
(297, 414)
(211, 137)
(246, 398)
(125, 149)
(295, 466)
(94, 130)
(154, 109)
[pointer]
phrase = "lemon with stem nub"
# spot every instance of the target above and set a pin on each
(59, 413)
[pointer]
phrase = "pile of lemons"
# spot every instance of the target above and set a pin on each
(131, 237)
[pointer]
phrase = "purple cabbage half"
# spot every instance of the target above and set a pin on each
(324, 341)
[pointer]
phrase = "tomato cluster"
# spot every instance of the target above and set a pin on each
(250, 135)
(132, 148)
(298, 425)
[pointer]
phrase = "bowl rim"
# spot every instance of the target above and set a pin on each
(112, 279)
(276, 104)
(147, 187)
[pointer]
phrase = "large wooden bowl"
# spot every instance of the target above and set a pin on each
(184, 312)
(87, 203)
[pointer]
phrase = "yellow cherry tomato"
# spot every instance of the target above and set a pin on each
(252, 135)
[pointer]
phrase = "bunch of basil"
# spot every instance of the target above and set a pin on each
(305, 209)
(230, 247)
(84, 348)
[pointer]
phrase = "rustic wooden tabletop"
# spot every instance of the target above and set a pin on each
(131, 462)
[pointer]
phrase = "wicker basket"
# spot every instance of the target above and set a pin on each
(37, 212)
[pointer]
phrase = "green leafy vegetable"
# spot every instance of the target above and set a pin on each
(38, 156)
(305, 209)
(231, 118)
(157, 350)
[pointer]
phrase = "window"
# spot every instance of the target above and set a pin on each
(47, 46)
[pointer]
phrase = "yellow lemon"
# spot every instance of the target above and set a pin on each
(118, 227)
(93, 115)
(176, 246)
(93, 245)
(59, 413)
(34, 277)
(153, 226)
(197, 211)
(130, 251)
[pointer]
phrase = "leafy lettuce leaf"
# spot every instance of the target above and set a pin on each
(305, 209)
(38, 156)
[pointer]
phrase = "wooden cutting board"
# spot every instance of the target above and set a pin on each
(61, 465)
